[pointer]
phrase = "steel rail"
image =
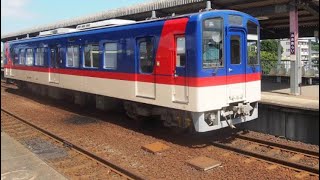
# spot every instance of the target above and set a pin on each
(282, 146)
(289, 164)
(118, 169)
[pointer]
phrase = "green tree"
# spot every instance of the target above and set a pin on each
(270, 56)
(314, 46)
(271, 46)
(269, 49)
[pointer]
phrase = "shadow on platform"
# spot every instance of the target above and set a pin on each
(307, 91)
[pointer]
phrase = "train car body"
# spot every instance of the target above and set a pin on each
(198, 68)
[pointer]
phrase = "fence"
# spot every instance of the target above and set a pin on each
(272, 68)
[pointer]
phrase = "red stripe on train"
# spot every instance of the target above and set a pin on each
(160, 79)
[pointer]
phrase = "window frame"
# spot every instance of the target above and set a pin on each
(114, 52)
(36, 56)
(14, 55)
(79, 56)
(240, 52)
(91, 56)
(258, 44)
(24, 56)
(152, 40)
(223, 56)
(32, 55)
(176, 50)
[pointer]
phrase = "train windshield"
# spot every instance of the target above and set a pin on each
(212, 43)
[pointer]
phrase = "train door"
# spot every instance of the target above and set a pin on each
(11, 72)
(180, 89)
(146, 76)
(236, 66)
(54, 76)
(9, 61)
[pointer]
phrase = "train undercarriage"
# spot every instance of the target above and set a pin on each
(191, 121)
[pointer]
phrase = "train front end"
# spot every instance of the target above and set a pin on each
(228, 70)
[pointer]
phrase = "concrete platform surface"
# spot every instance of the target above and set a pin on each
(279, 94)
(17, 162)
(289, 101)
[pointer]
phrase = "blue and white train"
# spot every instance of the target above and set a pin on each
(198, 70)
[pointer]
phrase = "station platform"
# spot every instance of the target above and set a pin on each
(17, 162)
(279, 94)
(288, 116)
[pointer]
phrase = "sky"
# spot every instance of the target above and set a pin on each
(18, 15)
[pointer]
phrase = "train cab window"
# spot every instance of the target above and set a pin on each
(39, 61)
(146, 59)
(212, 43)
(91, 56)
(181, 52)
(235, 50)
(110, 55)
(29, 60)
(253, 43)
(73, 56)
(22, 56)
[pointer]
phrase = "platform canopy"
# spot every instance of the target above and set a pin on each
(273, 15)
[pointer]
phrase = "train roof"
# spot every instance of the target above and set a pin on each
(80, 32)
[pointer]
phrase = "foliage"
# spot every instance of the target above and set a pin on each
(268, 65)
(315, 46)
(271, 46)
(268, 61)
(268, 56)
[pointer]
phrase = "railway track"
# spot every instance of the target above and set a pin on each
(301, 160)
(253, 146)
(70, 159)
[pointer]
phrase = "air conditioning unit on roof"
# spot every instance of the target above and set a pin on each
(63, 30)
(110, 22)
(58, 31)
(45, 33)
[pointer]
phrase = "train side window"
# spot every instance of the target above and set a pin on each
(146, 59)
(22, 57)
(181, 51)
(110, 55)
(13, 55)
(73, 56)
(29, 60)
(235, 50)
(91, 56)
(253, 43)
(39, 61)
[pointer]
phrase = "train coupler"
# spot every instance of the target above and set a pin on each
(241, 110)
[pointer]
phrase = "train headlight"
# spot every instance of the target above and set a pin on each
(211, 118)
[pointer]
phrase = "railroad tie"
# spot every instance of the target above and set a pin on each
(76, 168)
(302, 175)
(273, 152)
(296, 157)
(272, 167)
(249, 160)
(251, 146)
